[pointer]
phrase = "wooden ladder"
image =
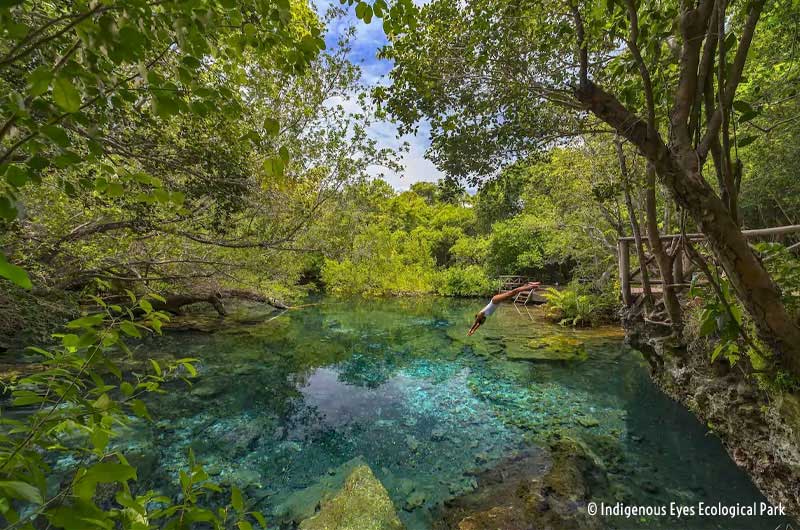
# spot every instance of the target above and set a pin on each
(524, 297)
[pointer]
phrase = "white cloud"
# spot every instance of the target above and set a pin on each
(368, 39)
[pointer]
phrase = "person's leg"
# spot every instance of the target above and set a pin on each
(496, 299)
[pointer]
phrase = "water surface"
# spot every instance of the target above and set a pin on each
(280, 405)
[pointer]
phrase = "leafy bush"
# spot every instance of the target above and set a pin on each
(385, 262)
(464, 281)
(71, 409)
(731, 334)
(579, 305)
(715, 321)
(784, 267)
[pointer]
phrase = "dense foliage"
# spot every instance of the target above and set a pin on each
(158, 154)
(154, 154)
(565, 219)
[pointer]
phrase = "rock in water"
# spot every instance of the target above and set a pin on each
(303, 504)
(361, 504)
(551, 348)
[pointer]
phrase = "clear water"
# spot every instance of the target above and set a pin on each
(280, 404)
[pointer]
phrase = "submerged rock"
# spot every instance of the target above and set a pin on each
(534, 490)
(505, 517)
(206, 390)
(302, 504)
(414, 500)
(551, 348)
(438, 435)
(361, 504)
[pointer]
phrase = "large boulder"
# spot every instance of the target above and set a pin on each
(362, 504)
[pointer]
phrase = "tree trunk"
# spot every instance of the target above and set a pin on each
(679, 171)
(663, 260)
(637, 233)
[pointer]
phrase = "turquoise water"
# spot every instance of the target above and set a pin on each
(280, 404)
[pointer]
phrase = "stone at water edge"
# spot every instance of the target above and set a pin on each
(361, 504)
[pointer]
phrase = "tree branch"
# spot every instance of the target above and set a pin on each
(737, 67)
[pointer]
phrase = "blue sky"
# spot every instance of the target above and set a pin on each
(369, 38)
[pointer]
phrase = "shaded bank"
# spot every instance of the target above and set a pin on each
(761, 433)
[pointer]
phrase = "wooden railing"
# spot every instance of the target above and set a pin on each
(509, 283)
(630, 280)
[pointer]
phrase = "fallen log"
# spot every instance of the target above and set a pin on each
(253, 297)
(174, 303)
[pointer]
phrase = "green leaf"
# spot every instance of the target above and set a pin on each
(156, 367)
(16, 175)
(746, 140)
(14, 274)
(161, 196)
(66, 95)
(100, 184)
(708, 323)
(103, 472)
(99, 439)
(272, 126)
(126, 388)
(236, 499)
(39, 81)
(718, 350)
(190, 368)
(7, 208)
(140, 409)
(262, 521)
(244, 525)
(115, 189)
(129, 329)
(24, 398)
(21, 490)
(86, 322)
(146, 306)
(166, 106)
(747, 116)
(57, 134)
(742, 106)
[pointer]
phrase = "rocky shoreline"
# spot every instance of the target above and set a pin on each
(760, 432)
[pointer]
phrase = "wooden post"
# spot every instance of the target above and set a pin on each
(623, 254)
